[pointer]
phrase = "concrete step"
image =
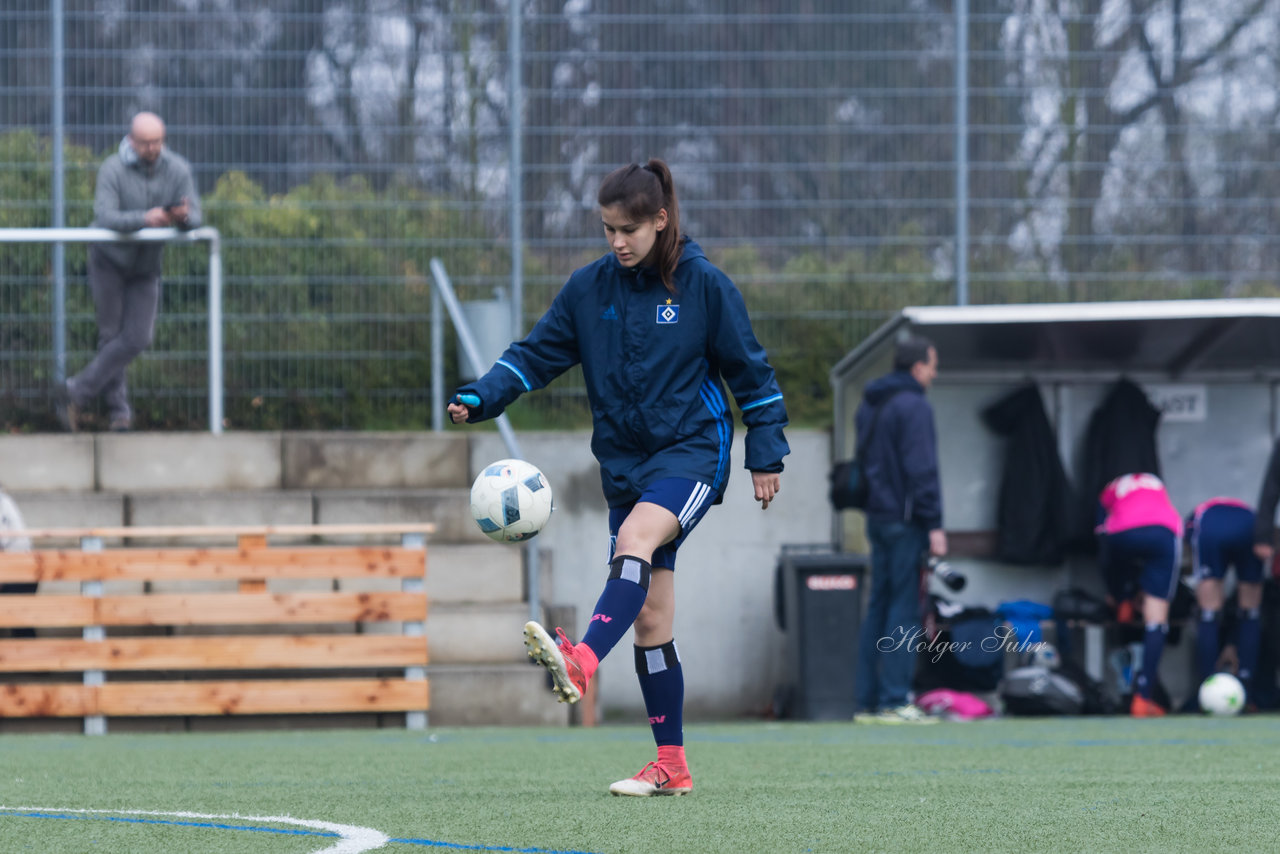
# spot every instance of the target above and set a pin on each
(48, 462)
(459, 574)
(216, 507)
(42, 509)
(269, 460)
(160, 462)
(477, 634)
(494, 695)
(407, 460)
(486, 572)
(448, 508)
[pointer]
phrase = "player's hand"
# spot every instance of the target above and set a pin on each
(767, 484)
(459, 408)
(1264, 551)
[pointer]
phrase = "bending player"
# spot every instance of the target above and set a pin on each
(1142, 536)
(1220, 532)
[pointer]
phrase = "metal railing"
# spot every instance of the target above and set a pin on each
(442, 292)
(58, 236)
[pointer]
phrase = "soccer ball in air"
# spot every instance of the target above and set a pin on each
(1222, 694)
(511, 500)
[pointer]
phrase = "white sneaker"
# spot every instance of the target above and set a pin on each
(908, 714)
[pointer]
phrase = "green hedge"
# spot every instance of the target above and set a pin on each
(327, 298)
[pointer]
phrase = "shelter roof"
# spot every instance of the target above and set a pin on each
(1172, 338)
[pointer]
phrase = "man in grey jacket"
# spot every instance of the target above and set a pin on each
(142, 185)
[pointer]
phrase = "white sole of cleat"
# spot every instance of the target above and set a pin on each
(636, 789)
(543, 649)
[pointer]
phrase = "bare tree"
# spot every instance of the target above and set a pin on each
(1126, 80)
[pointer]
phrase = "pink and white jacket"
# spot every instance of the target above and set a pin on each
(1137, 501)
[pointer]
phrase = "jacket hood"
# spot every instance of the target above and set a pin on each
(691, 251)
(878, 389)
(641, 274)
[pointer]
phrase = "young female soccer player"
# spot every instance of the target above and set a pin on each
(1141, 546)
(659, 332)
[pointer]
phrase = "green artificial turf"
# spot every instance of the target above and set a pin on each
(1083, 784)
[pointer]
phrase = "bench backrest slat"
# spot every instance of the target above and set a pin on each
(215, 652)
(209, 609)
(247, 697)
(212, 563)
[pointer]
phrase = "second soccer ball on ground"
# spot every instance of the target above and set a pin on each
(1222, 694)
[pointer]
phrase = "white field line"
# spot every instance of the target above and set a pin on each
(352, 839)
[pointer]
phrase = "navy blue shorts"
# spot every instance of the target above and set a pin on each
(1223, 537)
(1149, 557)
(688, 501)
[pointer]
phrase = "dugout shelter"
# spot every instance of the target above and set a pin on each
(1211, 368)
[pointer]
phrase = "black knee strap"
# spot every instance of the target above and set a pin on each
(631, 568)
(655, 659)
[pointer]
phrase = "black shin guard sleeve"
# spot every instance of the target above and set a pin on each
(632, 569)
(669, 658)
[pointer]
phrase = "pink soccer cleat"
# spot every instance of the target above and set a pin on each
(567, 664)
(655, 779)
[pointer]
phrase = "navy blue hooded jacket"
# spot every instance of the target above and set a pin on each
(902, 460)
(656, 365)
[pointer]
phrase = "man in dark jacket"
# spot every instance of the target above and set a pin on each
(899, 449)
(142, 185)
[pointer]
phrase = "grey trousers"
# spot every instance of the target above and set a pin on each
(126, 305)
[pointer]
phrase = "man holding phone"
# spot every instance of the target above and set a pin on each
(142, 185)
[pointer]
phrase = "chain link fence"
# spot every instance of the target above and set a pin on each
(1111, 150)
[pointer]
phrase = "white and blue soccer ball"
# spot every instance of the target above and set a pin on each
(1221, 694)
(511, 500)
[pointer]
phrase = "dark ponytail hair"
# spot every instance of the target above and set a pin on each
(642, 191)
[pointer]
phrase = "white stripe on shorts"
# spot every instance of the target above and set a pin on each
(696, 498)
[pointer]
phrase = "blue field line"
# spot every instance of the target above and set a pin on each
(431, 843)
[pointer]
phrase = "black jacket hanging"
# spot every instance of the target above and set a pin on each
(1120, 439)
(1035, 496)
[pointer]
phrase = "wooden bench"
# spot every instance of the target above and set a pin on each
(221, 649)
